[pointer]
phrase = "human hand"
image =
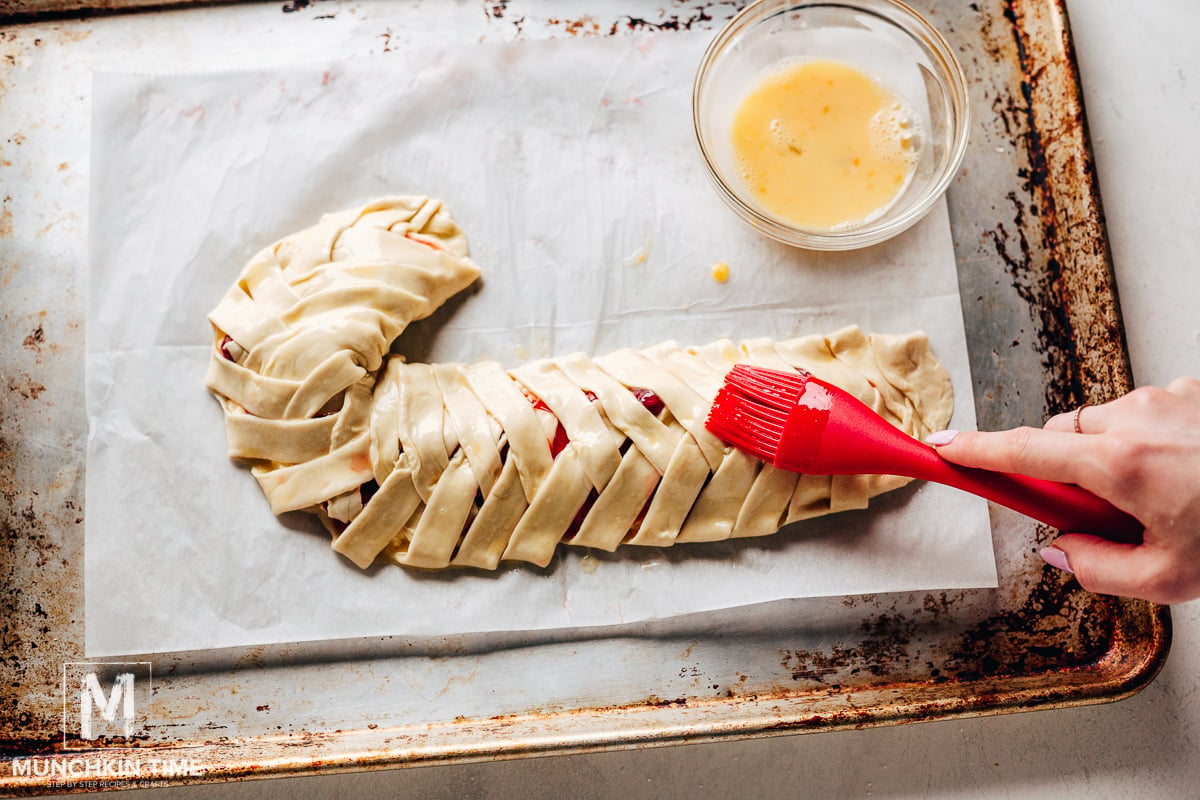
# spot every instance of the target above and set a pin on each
(1140, 452)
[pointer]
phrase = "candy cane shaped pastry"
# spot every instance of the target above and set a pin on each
(468, 465)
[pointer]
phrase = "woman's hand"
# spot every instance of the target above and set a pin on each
(1140, 452)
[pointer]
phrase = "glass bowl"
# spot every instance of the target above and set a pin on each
(882, 39)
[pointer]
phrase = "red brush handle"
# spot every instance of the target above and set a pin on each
(831, 432)
(1062, 505)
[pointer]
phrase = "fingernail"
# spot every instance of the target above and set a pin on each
(941, 437)
(1057, 559)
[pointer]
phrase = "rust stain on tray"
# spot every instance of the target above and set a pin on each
(882, 649)
(683, 17)
(1055, 250)
(6, 220)
(1058, 626)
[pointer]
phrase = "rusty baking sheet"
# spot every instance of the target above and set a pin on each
(1044, 332)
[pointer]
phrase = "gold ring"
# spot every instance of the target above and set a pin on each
(1075, 418)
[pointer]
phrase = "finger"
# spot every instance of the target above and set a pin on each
(1062, 423)
(1050, 455)
(1147, 401)
(1107, 567)
(1074, 422)
(1084, 419)
(1185, 387)
(1187, 390)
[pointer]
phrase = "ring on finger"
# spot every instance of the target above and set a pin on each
(1075, 419)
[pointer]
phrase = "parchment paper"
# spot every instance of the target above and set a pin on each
(572, 168)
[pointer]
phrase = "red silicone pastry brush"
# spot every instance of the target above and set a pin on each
(803, 424)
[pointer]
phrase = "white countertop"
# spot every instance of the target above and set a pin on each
(1141, 74)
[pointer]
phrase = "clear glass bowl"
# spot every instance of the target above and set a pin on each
(873, 36)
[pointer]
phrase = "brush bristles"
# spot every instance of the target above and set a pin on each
(752, 408)
(771, 386)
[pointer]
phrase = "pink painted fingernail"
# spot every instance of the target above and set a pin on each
(941, 437)
(1057, 559)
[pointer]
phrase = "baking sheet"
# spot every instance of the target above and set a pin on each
(572, 168)
(1044, 334)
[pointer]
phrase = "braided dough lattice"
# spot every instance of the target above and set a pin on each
(435, 465)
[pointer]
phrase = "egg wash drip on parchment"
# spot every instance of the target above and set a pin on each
(824, 146)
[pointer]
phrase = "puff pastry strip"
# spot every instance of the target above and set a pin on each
(437, 465)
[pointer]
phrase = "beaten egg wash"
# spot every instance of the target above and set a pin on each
(823, 146)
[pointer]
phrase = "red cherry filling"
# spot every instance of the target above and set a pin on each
(419, 240)
(577, 522)
(653, 403)
(225, 342)
(560, 441)
(649, 400)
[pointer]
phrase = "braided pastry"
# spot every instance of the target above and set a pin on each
(436, 465)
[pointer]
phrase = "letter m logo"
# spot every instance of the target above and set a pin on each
(91, 697)
(106, 697)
